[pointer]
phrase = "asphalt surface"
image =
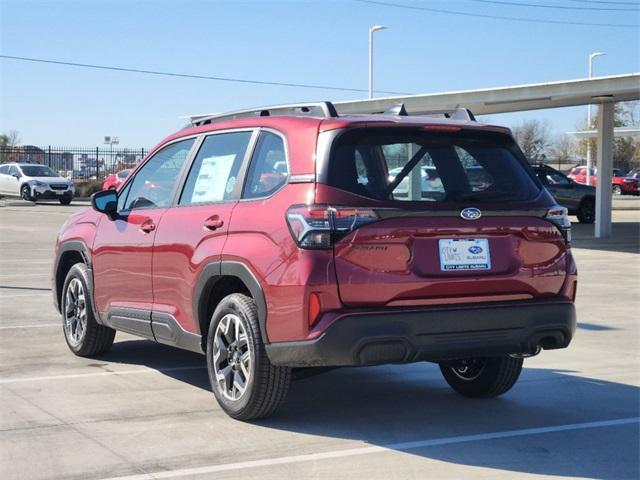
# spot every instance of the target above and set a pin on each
(145, 411)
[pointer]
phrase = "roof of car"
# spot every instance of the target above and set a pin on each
(291, 122)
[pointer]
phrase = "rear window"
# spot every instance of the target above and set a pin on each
(414, 165)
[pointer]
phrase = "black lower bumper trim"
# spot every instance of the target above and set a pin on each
(432, 335)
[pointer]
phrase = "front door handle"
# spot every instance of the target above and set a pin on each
(213, 222)
(148, 226)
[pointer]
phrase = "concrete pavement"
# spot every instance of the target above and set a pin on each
(145, 410)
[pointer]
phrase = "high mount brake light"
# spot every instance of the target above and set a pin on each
(560, 217)
(319, 226)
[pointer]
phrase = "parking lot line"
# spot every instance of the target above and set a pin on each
(43, 325)
(375, 449)
(14, 295)
(98, 374)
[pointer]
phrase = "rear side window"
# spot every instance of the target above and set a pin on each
(414, 165)
(4, 169)
(213, 175)
(269, 170)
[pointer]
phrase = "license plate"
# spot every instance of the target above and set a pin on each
(60, 192)
(464, 254)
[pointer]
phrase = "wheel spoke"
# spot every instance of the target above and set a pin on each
(245, 364)
(239, 384)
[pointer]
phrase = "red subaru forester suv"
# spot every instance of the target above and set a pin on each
(293, 237)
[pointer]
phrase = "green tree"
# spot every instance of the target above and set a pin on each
(626, 150)
(8, 141)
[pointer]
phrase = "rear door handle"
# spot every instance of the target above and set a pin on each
(213, 222)
(148, 226)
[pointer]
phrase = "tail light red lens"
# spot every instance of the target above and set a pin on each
(319, 226)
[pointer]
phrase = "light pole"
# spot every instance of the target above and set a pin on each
(591, 57)
(111, 141)
(372, 30)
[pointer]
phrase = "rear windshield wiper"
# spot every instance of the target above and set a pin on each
(460, 196)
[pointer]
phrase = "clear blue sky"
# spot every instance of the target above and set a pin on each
(318, 42)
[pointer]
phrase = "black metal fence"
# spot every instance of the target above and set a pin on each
(79, 164)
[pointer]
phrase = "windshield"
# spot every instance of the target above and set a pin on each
(414, 165)
(37, 171)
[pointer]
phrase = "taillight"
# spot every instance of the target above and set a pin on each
(560, 216)
(319, 226)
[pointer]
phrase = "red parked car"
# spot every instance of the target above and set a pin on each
(273, 239)
(621, 184)
(113, 181)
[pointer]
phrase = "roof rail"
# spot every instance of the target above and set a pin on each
(316, 109)
(463, 114)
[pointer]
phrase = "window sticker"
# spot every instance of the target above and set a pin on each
(212, 179)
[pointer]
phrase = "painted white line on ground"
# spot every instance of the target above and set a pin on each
(375, 449)
(97, 374)
(21, 275)
(42, 325)
(14, 295)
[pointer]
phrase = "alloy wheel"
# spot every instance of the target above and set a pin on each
(232, 357)
(75, 312)
(469, 369)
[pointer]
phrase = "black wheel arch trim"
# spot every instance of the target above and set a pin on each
(70, 246)
(229, 268)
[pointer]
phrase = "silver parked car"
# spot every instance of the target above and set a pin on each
(32, 181)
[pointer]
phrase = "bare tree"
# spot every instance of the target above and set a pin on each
(534, 138)
(13, 138)
(564, 148)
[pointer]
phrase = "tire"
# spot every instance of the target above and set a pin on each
(65, 200)
(25, 193)
(84, 336)
(238, 357)
(482, 377)
(617, 190)
(587, 211)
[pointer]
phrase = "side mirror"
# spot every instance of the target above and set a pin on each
(17, 176)
(105, 202)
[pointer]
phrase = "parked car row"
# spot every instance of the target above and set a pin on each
(621, 183)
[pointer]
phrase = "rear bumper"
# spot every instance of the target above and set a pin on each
(370, 338)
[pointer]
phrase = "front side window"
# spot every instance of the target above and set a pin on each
(13, 170)
(153, 184)
(214, 172)
(413, 165)
(269, 170)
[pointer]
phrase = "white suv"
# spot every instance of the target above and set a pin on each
(32, 181)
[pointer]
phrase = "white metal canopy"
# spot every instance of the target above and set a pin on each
(567, 93)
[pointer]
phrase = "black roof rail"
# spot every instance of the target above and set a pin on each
(315, 109)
